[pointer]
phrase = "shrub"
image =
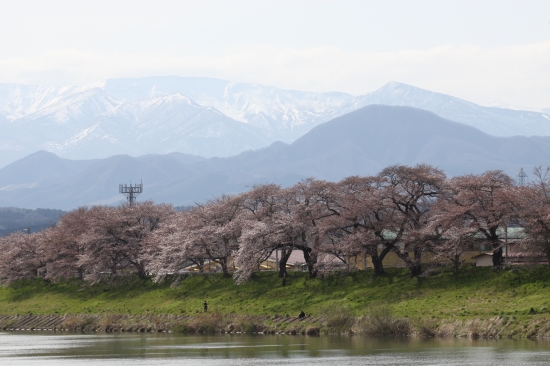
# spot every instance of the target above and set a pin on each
(181, 327)
(381, 321)
(338, 318)
(208, 323)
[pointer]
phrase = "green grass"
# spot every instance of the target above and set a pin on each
(475, 293)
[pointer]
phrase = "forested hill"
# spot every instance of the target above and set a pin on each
(20, 219)
(362, 142)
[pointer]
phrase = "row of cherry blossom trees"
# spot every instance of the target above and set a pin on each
(88, 243)
(403, 210)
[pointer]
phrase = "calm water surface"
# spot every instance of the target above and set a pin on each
(20, 348)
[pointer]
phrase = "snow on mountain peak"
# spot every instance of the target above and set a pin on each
(205, 116)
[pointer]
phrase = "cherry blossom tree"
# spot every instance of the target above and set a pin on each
(62, 246)
(21, 256)
(485, 203)
(116, 236)
(303, 207)
(449, 234)
(535, 213)
(213, 230)
(169, 250)
(205, 232)
(409, 192)
(364, 221)
(263, 232)
(284, 220)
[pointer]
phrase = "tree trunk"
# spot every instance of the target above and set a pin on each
(225, 270)
(141, 271)
(497, 256)
(200, 265)
(114, 273)
(456, 263)
(282, 263)
(311, 260)
(416, 267)
(377, 259)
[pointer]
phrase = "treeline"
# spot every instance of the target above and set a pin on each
(404, 210)
(19, 219)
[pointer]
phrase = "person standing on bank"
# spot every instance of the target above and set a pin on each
(205, 306)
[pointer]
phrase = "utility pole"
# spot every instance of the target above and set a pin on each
(506, 242)
(131, 191)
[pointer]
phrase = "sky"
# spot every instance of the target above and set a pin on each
(488, 52)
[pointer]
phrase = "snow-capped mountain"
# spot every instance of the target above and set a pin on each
(58, 120)
(17, 100)
(204, 116)
(283, 114)
(164, 124)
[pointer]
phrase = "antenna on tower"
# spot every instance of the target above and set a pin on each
(521, 177)
(131, 191)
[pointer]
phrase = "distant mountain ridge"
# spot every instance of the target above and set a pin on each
(359, 143)
(204, 116)
(492, 120)
(24, 220)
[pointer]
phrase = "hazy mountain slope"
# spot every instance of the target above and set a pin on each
(408, 136)
(494, 121)
(40, 169)
(367, 140)
(362, 142)
(98, 183)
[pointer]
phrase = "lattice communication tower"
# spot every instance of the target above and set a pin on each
(521, 177)
(131, 191)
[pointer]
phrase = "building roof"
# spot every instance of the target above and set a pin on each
(490, 254)
(297, 258)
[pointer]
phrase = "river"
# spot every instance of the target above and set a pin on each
(58, 349)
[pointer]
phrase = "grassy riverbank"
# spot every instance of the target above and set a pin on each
(511, 302)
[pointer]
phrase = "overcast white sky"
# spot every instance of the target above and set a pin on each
(482, 51)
